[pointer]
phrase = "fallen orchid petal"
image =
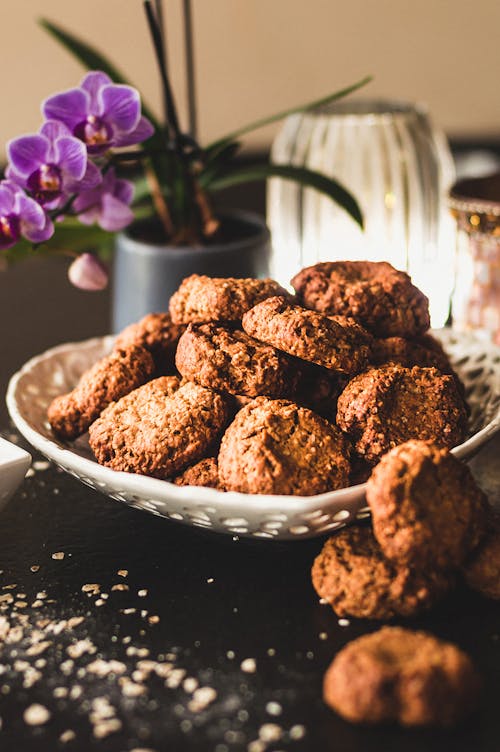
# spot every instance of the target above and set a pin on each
(88, 273)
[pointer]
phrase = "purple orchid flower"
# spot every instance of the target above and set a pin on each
(100, 113)
(21, 216)
(51, 164)
(107, 204)
(87, 272)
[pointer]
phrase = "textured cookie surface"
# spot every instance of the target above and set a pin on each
(383, 299)
(386, 406)
(398, 675)
(203, 473)
(232, 361)
(408, 353)
(482, 569)
(352, 574)
(277, 447)
(109, 379)
(335, 342)
(156, 333)
(427, 509)
(202, 299)
(158, 429)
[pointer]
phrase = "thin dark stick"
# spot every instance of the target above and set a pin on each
(170, 111)
(190, 73)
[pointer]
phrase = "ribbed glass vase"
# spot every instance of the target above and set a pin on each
(399, 168)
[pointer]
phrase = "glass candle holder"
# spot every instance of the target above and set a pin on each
(475, 205)
(399, 168)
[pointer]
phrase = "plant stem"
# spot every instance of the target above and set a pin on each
(159, 201)
(190, 73)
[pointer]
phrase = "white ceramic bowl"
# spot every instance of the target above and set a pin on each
(14, 462)
(275, 517)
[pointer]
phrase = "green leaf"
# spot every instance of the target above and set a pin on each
(91, 58)
(217, 161)
(302, 175)
(284, 113)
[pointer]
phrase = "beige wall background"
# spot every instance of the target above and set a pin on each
(257, 56)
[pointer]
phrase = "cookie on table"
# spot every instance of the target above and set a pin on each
(427, 509)
(352, 574)
(110, 378)
(157, 333)
(201, 299)
(159, 429)
(401, 676)
(380, 297)
(386, 406)
(277, 447)
(482, 569)
(233, 362)
(335, 342)
(202, 473)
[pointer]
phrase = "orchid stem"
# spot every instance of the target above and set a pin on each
(159, 202)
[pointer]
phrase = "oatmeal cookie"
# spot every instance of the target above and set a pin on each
(157, 333)
(158, 429)
(398, 675)
(203, 473)
(233, 362)
(427, 509)
(335, 342)
(277, 447)
(408, 353)
(386, 406)
(111, 378)
(353, 575)
(482, 569)
(381, 298)
(201, 299)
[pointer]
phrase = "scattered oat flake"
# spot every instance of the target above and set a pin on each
(297, 732)
(230, 654)
(210, 580)
(38, 648)
(12, 586)
(36, 715)
(122, 572)
(323, 601)
(343, 622)
(101, 668)
(128, 610)
(29, 473)
(154, 619)
(67, 736)
(60, 692)
(99, 602)
(35, 568)
(248, 665)
(274, 708)
(202, 697)
(74, 621)
(80, 648)
(58, 555)
(270, 732)
(323, 636)
(102, 729)
(190, 684)
(120, 586)
(142, 593)
(91, 587)
(37, 604)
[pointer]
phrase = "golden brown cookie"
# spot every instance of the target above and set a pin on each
(111, 378)
(386, 406)
(156, 333)
(379, 296)
(335, 342)
(427, 509)
(353, 575)
(201, 299)
(398, 675)
(203, 473)
(158, 429)
(482, 569)
(277, 447)
(231, 361)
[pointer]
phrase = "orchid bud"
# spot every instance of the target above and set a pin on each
(88, 273)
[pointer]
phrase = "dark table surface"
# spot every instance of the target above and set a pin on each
(212, 603)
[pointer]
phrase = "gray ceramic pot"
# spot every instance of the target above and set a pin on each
(146, 274)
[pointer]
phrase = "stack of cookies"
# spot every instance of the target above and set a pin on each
(431, 525)
(244, 387)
